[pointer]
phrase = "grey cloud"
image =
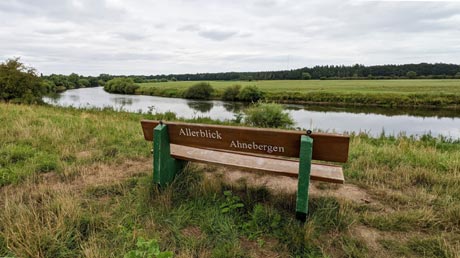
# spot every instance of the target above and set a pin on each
(80, 11)
(217, 35)
(132, 35)
(189, 28)
(173, 36)
(52, 31)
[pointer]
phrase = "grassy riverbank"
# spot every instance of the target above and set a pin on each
(78, 183)
(409, 93)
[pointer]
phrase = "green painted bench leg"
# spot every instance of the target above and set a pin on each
(306, 149)
(165, 167)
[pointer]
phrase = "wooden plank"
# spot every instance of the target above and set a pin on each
(319, 172)
(286, 143)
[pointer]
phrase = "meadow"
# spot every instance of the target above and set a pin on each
(78, 183)
(428, 93)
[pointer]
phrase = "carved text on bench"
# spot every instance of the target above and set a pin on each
(201, 133)
(215, 134)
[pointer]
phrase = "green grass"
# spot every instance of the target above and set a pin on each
(333, 86)
(78, 183)
(440, 93)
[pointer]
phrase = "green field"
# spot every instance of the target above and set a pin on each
(333, 86)
(353, 92)
(78, 183)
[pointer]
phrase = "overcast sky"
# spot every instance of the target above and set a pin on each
(187, 36)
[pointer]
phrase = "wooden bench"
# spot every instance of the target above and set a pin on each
(281, 152)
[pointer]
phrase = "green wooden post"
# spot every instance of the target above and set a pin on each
(165, 167)
(306, 150)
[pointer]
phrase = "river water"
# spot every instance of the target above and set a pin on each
(373, 121)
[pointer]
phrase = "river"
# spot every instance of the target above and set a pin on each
(373, 121)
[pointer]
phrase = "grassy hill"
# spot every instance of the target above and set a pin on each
(78, 183)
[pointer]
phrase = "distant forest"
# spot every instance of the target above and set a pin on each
(423, 70)
(328, 72)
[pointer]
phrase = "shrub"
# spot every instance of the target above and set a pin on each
(121, 85)
(231, 93)
(411, 75)
(250, 93)
(268, 115)
(306, 76)
(202, 90)
(83, 83)
(19, 83)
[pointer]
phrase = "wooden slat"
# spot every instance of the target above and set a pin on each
(326, 147)
(320, 172)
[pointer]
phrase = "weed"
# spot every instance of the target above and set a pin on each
(232, 202)
(147, 249)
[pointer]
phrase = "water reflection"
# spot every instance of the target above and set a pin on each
(201, 106)
(372, 120)
(418, 112)
(123, 101)
(75, 98)
(235, 107)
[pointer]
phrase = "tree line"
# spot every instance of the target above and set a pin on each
(23, 84)
(327, 72)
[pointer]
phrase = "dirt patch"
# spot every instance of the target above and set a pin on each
(260, 248)
(50, 177)
(345, 191)
(96, 175)
(102, 174)
(289, 185)
(369, 235)
(192, 232)
(84, 155)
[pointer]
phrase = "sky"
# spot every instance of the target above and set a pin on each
(91, 37)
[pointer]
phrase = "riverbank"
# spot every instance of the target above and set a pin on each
(380, 93)
(78, 183)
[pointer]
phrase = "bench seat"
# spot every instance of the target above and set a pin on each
(285, 167)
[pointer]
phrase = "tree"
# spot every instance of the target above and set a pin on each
(411, 75)
(83, 83)
(19, 83)
(73, 79)
(121, 85)
(202, 90)
(457, 75)
(306, 76)
(250, 93)
(231, 93)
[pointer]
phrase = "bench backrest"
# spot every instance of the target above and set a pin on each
(284, 143)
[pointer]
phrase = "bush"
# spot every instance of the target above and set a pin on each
(268, 115)
(250, 93)
(202, 90)
(411, 75)
(457, 75)
(231, 93)
(121, 85)
(19, 83)
(306, 76)
(84, 83)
